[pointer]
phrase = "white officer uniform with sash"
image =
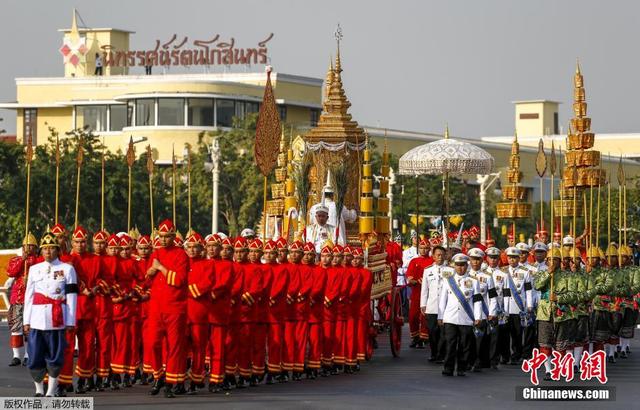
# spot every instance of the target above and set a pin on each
(486, 286)
(519, 280)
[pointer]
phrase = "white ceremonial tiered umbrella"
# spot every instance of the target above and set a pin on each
(445, 157)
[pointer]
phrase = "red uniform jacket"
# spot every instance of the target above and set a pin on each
(278, 291)
(237, 290)
(293, 289)
(143, 287)
(252, 288)
(106, 279)
(415, 271)
(88, 270)
(302, 298)
(262, 307)
(15, 269)
(200, 282)
(169, 293)
(365, 293)
(318, 278)
(356, 278)
(343, 299)
(221, 292)
(125, 280)
(332, 293)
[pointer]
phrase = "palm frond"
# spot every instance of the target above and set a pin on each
(340, 182)
(302, 183)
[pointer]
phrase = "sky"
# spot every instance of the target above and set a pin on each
(409, 65)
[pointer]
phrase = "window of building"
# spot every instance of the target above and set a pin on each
(30, 125)
(93, 116)
(315, 116)
(225, 110)
(119, 117)
(130, 108)
(240, 110)
(200, 112)
(145, 112)
(252, 107)
(170, 111)
(556, 123)
(282, 110)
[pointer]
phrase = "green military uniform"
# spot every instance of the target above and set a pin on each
(563, 317)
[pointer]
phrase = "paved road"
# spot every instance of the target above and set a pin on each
(406, 382)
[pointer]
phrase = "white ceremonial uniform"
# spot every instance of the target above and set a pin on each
(450, 310)
(432, 279)
(319, 234)
(522, 282)
(487, 290)
(534, 269)
(407, 255)
(348, 215)
(50, 280)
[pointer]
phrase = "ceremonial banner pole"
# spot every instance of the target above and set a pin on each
(131, 157)
(28, 158)
(102, 188)
(57, 175)
(574, 180)
(624, 202)
(552, 169)
(561, 188)
(541, 169)
(267, 143)
(590, 215)
(189, 186)
(173, 186)
(608, 222)
(150, 171)
(598, 209)
(79, 167)
(621, 179)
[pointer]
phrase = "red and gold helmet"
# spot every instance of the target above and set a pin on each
(309, 247)
(126, 241)
(167, 226)
(79, 234)
(358, 253)
(194, 238)
(296, 246)
(100, 236)
(255, 244)
(59, 229)
(326, 250)
(281, 244)
(240, 243)
(348, 250)
(227, 242)
(113, 241)
(338, 250)
(144, 241)
(269, 246)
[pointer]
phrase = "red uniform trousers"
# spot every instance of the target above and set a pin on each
(339, 340)
(350, 340)
(174, 326)
(104, 338)
(66, 373)
(244, 348)
(86, 333)
(288, 345)
(316, 339)
(217, 364)
(417, 321)
(121, 353)
(199, 333)
(258, 351)
(136, 339)
(147, 347)
(328, 341)
(231, 348)
(275, 341)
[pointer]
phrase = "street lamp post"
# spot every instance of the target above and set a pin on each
(214, 168)
(485, 184)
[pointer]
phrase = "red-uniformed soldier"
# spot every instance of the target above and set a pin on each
(256, 293)
(168, 309)
(276, 257)
(291, 320)
(200, 282)
(16, 269)
(417, 321)
(332, 294)
(365, 316)
(316, 277)
(340, 255)
(143, 290)
(219, 314)
(354, 278)
(104, 310)
(87, 270)
(233, 338)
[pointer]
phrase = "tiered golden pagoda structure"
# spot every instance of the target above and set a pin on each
(276, 206)
(335, 128)
(383, 202)
(289, 225)
(582, 163)
(367, 216)
(514, 193)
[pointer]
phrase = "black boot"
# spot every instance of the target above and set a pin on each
(61, 391)
(296, 376)
(216, 387)
(81, 387)
(157, 385)
(179, 390)
(137, 376)
(168, 391)
(99, 386)
(126, 381)
(269, 379)
(15, 362)
(144, 379)
(414, 343)
(115, 382)
(325, 372)
(284, 376)
(253, 382)
(242, 382)
(193, 389)
(68, 388)
(24, 361)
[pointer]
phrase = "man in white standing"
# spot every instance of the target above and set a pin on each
(432, 281)
(459, 310)
(347, 215)
(49, 311)
(320, 231)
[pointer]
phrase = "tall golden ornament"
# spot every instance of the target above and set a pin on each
(552, 170)
(131, 157)
(28, 157)
(608, 221)
(102, 186)
(150, 172)
(189, 186)
(57, 174)
(267, 141)
(621, 223)
(173, 186)
(79, 159)
(600, 182)
(541, 169)
(514, 193)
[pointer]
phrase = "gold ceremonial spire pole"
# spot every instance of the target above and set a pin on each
(102, 187)
(621, 179)
(562, 208)
(189, 185)
(28, 157)
(131, 157)
(608, 222)
(552, 169)
(173, 185)
(57, 174)
(150, 171)
(590, 215)
(598, 209)
(624, 202)
(79, 167)
(541, 169)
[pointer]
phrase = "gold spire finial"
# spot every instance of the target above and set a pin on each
(578, 66)
(74, 34)
(446, 131)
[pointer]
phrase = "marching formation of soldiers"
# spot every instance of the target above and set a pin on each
(480, 307)
(178, 314)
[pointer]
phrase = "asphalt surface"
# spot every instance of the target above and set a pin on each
(407, 382)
